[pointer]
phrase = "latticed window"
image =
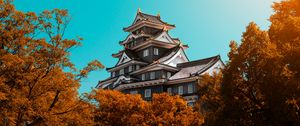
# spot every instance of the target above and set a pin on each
(168, 74)
(155, 51)
(133, 92)
(130, 69)
(190, 88)
(143, 76)
(152, 75)
(180, 90)
(121, 71)
(147, 93)
(169, 91)
(146, 52)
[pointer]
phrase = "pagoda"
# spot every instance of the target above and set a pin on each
(154, 62)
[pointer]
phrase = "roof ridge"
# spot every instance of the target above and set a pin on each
(198, 61)
(148, 14)
(174, 49)
(209, 65)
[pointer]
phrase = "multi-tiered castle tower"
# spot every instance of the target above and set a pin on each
(154, 62)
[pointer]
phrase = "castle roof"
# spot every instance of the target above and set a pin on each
(169, 54)
(150, 20)
(196, 67)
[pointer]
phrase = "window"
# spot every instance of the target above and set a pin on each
(112, 74)
(147, 93)
(190, 88)
(169, 91)
(191, 103)
(121, 71)
(133, 92)
(155, 51)
(130, 69)
(143, 76)
(146, 53)
(152, 75)
(168, 74)
(180, 90)
(137, 67)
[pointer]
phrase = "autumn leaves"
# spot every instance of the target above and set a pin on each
(39, 83)
(260, 83)
(115, 108)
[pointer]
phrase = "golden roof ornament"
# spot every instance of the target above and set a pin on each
(139, 10)
(158, 15)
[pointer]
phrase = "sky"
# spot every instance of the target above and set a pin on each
(207, 26)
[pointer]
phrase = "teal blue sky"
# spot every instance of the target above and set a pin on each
(206, 26)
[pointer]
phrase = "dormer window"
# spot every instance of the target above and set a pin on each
(146, 52)
(155, 51)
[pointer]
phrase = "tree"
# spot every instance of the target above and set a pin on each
(260, 83)
(38, 83)
(209, 93)
(116, 108)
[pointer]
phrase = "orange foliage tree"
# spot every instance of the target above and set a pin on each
(260, 83)
(210, 100)
(115, 108)
(38, 83)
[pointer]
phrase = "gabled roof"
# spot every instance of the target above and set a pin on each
(199, 62)
(155, 66)
(164, 37)
(124, 58)
(125, 64)
(128, 52)
(150, 18)
(131, 54)
(169, 54)
(130, 37)
(161, 36)
(142, 18)
(194, 68)
(152, 42)
(128, 57)
(139, 84)
(173, 54)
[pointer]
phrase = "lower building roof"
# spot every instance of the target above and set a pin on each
(187, 71)
(193, 68)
